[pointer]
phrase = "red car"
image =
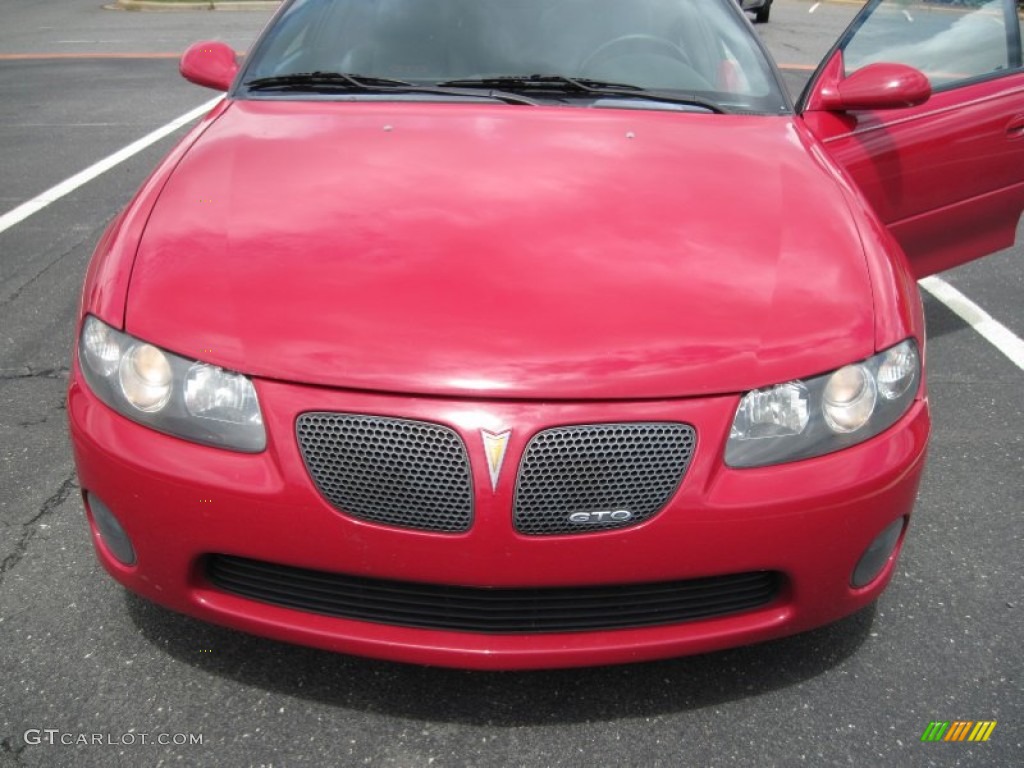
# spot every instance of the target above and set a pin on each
(538, 333)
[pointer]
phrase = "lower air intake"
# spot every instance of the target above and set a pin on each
(492, 610)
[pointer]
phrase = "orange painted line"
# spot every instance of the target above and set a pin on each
(87, 55)
(45, 56)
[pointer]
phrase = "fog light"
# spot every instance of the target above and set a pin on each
(877, 555)
(114, 538)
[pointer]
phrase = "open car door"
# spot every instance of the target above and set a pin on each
(940, 157)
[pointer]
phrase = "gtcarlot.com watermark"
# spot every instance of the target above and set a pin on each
(55, 736)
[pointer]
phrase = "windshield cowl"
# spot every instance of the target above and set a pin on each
(511, 89)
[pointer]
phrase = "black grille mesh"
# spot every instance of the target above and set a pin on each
(411, 474)
(602, 467)
(500, 611)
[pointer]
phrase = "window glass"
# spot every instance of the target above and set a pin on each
(699, 47)
(950, 41)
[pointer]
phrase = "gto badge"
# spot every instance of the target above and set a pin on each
(602, 516)
(495, 444)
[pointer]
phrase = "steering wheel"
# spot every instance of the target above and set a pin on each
(635, 43)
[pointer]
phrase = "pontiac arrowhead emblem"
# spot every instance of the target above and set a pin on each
(495, 444)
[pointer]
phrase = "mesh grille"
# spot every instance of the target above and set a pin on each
(606, 467)
(506, 611)
(410, 474)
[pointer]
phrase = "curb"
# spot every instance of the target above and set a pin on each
(193, 5)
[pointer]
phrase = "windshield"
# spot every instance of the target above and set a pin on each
(682, 54)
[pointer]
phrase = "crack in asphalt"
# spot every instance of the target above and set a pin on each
(29, 527)
(26, 372)
(46, 268)
(33, 422)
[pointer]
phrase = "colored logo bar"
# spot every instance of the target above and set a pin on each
(958, 730)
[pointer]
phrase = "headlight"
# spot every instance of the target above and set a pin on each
(188, 399)
(812, 417)
(145, 377)
(849, 399)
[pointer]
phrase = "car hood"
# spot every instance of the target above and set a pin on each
(506, 251)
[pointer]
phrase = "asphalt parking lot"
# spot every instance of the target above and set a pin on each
(79, 656)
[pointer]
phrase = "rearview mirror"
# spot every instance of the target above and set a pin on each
(210, 64)
(878, 86)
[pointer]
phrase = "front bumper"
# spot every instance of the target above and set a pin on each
(809, 521)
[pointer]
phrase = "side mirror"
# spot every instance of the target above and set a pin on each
(878, 86)
(210, 64)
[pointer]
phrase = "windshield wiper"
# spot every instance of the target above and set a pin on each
(561, 83)
(583, 86)
(322, 78)
(330, 81)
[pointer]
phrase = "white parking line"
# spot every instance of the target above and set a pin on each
(997, 334)
(69, 185)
